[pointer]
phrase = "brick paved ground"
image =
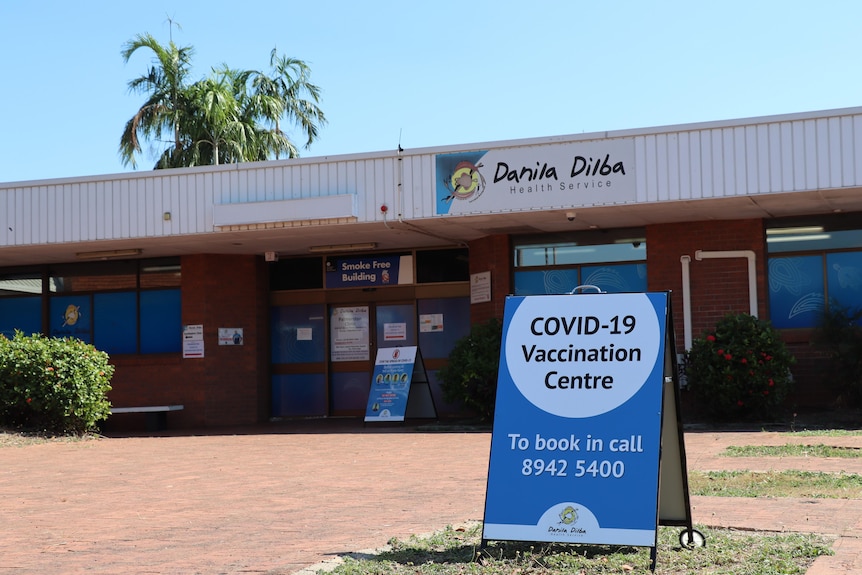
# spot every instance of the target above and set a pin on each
(277, 500)
(838, 517)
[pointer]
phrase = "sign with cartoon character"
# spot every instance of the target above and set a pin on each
(390, 384)
(570, 175)
(369, 271)
(578, 419)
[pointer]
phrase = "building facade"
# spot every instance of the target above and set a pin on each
(259, 290)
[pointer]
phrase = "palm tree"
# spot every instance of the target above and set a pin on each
(231, 116)
(224, 124)
(166, 105)
(219, 132)
(290, 83)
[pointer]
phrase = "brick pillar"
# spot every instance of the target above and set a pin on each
(229, 386)
(494, 254)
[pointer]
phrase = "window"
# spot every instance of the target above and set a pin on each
(20, 303)
(434, 266)
(296, 274)
(122, 307)
(813, 264)
(613, 261)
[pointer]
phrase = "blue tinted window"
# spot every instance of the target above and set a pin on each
(297, 334)
(350, 390)
(619, 278)
(611, 278)
(810, 239)
(396, 325)
(797, 295)
(116, 322)
(84, 301)
(546, 281)
(72, 316)
(21, 313)
(442, 322)
(297, 395)
(632, 249)
(844, 278)
(161, 321)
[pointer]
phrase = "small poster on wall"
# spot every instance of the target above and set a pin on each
(480, 287)
(230, 336)
(193, 341)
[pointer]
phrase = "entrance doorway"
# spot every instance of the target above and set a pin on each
(356, 333)
(324, 343)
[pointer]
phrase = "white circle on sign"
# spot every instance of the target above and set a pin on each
(582, 355)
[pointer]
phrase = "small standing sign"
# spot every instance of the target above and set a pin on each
(399, 382)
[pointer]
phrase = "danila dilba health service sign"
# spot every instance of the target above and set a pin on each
(566, 175)
(575, 445)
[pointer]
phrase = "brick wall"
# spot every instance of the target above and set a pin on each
(494, 254)
(718, 286)
(229, 386)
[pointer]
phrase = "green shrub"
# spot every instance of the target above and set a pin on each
(54, 385)
(740, 370)
(471, 375)
(839, 335)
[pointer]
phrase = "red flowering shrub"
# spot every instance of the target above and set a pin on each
(740, 370)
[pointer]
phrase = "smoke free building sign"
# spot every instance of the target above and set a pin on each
(575, 445)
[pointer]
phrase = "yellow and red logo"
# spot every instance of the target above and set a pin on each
(465, 182)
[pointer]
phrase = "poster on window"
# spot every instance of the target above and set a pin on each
(349, 329)
(395, 331)
(72, 316)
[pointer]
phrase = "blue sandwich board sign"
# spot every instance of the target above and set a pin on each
(390, 384)
(575, 448)
(399, 386)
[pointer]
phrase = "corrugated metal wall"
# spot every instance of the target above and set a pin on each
(786, 154)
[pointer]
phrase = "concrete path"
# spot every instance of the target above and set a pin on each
(279, 499)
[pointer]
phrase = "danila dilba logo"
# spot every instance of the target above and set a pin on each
(73, 313)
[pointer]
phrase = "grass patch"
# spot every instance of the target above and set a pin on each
(457, 551)
(825, 433)
(791, 450)
(26, 438)
(806, 484)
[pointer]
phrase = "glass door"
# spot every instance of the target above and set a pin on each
(395, 325)
(298, 360)
(356, 332)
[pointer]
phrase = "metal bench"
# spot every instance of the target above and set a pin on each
(157, 415)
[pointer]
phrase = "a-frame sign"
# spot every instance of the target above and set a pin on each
(399, 386)
(587, 443)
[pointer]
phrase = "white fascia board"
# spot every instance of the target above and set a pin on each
(326, 207)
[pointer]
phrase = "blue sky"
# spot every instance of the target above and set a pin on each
(427, 73)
